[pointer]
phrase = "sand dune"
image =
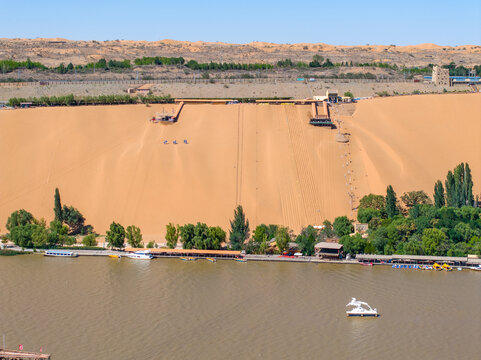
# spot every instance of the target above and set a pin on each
(110, 161)
(412, 141)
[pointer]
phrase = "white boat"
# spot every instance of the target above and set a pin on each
(141, 255)
(477, 268)
(60, 253)
(361, 309)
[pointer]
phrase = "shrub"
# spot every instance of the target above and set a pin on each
(89, 240)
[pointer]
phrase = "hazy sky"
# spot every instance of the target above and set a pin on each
(334, 22)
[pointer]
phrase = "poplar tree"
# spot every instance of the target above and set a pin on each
(57, 206)
(450, 189)
(439, 200)
(239, 229)
(391, 208)
(468, 186)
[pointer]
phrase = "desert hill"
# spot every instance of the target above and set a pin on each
(112, 164)
(52, 52)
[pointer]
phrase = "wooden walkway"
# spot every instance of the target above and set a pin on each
(21, 355)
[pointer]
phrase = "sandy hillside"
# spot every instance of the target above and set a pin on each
(110, 162)
(412, 141)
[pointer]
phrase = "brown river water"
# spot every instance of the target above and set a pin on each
(103, 308)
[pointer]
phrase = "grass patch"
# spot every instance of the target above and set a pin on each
(7, 252)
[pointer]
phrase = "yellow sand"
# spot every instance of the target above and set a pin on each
(110, 162)
(412, 141)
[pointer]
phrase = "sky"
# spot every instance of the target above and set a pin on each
(344, 22)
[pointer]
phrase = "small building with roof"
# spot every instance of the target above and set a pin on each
(144, 89)
(328, 250)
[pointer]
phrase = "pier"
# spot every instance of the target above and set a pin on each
(6, 354)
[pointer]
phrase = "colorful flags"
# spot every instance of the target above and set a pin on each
(40, 349)
(20, 347)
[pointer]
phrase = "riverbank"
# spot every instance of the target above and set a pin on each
(364, 260)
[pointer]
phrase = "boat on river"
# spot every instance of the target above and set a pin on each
(240, 260)
(447, 267)
(211, 259)
(477, 268)
(187, 258)
(141, 255)
(60, 253)
(361, 309)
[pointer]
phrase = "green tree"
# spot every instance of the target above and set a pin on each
(116, 236)
(217, 236)
(306, 240)
(342, 226)
(89, 240)
(57, 233)
(22, 235)
(439, 199)
(172, 235)
(40, 235)
(450, 196)
(413, 198)
(282, 238)
(348, 94)
(372, 201)
(239, 229)
(73, 219)
(431, 240)
(327, 231)
(19, 218)
(364, 215)
(391, 202)
(57, 206)
(187, 235)
(134, 236)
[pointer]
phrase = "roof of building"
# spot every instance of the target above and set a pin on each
(186, 251)
(328, 245)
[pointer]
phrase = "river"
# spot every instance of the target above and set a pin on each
(103, 308)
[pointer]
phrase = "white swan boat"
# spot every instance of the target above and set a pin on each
(141, 255)
(361, 309)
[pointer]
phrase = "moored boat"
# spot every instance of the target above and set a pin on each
(240, 260)
(476, 268)
(211, 259)
(447, 267)
(361, 309)
(60, 253)
(141, 255)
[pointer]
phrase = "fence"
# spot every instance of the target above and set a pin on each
(268, 80)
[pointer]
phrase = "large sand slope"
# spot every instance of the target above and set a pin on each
(412, 141)
(110, 162)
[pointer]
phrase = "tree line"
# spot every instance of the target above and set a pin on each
(318, 61)
(71, 100)
(447, 225)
